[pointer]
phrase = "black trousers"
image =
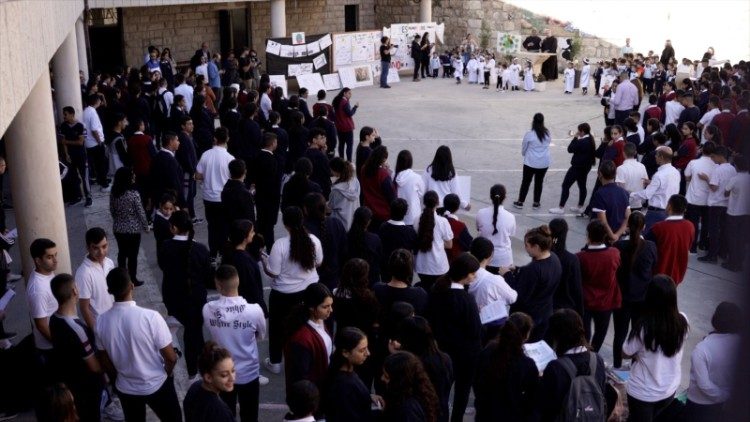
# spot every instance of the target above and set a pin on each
(268, 214)
(717, 234)
(426, 281)
(163, 402)
(695, 412)
(620, 116)
(736, 228)
(80, 166)
(128, 245)
(346, 140)
(698, 215)
(576, 175)
(486, 78)
(538, 176)
(642, 411)
(88, 401)
(464, 368)
(216, 226)
(97, 158)
(628, 314)
(248, 396)
(601, 325)
(192, 336)
(417, 65)
(280, 305)
(189, 191)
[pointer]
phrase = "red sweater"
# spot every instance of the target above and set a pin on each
(378, 193)
(673, 239)
(653, 112)
(139, 149)
(306, 357)
(599, 278)
(724, 121)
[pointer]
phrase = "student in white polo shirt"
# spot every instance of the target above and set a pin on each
(213, 170)
(136, 349)
(631, 174)
(42, 304)
(697, 193)
(237, 326)
(91, 277)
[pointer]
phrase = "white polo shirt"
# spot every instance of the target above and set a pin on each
(698, 190)
(92, 123)
(434, 261)
(214, 166)
(493, 296)
(706, 121)
(630, 177)
(739, 194)
(91, 280)
(133, 337)
(506, 227)
(237, 326)
(719, 178)
(42, 304)
(290, 276)
(664, 183)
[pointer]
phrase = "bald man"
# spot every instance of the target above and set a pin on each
(664, 184)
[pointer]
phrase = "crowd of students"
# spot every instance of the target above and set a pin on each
(357, 337)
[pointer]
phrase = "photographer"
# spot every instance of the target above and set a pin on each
(385, 60)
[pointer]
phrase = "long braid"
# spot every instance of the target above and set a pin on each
(497, 195)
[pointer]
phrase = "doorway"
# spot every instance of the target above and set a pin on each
(351, 17)
(233, 29)
(105, 39)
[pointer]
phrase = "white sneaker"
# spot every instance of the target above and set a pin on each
(577, 210)
(263, 380)
(556, 210)
(14, 277)
(274, 368)
(113, 410)
(107, 189)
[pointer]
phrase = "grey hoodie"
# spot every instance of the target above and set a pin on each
(344, 200)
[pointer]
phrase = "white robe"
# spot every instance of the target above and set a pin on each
(480, 71)
(471, 68)
(506, 78)
(585, 74)
(458, 68)
(515, 71)
(528, 79)
(569, 76)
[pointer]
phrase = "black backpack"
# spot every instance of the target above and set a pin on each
(585, 399)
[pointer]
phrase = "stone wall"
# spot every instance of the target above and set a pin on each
(463, 17)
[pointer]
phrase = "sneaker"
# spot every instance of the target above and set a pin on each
(536, 205)
(14, 277)
(709, 259)
(557, 210)
(274, 368)
(6, 416)
(74, 201)
(197, 220)
(192, 380)
(137, 283)
(106, 189)
(7, 336)
(577, 210)
(518, 204)
(113, 411)
(263, 380)
(89, 202)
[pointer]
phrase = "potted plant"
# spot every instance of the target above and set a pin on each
(540, 83)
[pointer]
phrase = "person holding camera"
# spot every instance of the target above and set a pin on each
(385, 60)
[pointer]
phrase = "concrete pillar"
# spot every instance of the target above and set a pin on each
(425, 11)
(83, 61)
(35, 185)
(65, 71)
(278, 18)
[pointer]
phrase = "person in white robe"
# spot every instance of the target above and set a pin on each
(506, 77)
(458, 69)
(569, 76)
(585, 76)
(471, 68)
(528, 77)
(515, 71)
(480, 69)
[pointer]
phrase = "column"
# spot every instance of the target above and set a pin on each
(278, 18)
(37, 192)
(425, 11)
(83, 60)
(65, 71)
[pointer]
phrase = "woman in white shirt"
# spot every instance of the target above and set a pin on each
(536, 160)
(497, 225)
(713, 365)
(655, 344)
(434, 236)
(409, 186)
(292, 266)
(440, 176)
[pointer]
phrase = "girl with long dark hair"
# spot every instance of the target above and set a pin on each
(344, 122)
(409, 186)
(298, 135)
(347, 398)
(656, 344)
(535, 282)
(354, 302)
(409, 395)
(377, 186)
(307, 353)
(241, 235)
(506, 381)
(291, 265)
(203, 402)
(536, 160)
(434, 236)
(128, 220)
(638, 257)
(454, 317)
(299, 185)
(203, 124)
(498, 225)
(344, 197)
(583, 148)
(440, 176)
(399, 288)
(363, 244)
(187, 272)
(569, 292)
(332, 236)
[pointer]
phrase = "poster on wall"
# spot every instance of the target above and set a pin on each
(299, 55)
(332, 81)
(298, 38)
(392, 75)
(354, 48)
(272, 47)
(300, 50)
(356, 76)
(402, 34)
(279, 80)
(312, 81)
(320, 61)
(325, 41)
(507, 43)
(286, 51)
(313, 48)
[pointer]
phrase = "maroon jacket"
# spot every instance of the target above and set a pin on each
(599, 278)
(377, 192)
(344, 113)
(306, 357)
(723, 121)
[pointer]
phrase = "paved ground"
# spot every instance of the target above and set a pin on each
(484, 129)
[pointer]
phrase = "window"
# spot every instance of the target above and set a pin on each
(351, 17)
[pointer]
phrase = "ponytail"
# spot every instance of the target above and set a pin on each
(636, 222)
(425, 232)
(497, 196)
(301, 246)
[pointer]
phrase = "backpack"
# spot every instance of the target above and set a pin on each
(585, 399)
(159, 107)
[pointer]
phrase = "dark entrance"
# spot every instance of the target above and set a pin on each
(105, 39)
(351, 17)
(233, 29)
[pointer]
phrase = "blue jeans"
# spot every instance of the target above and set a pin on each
(384, 68)
(653, 217)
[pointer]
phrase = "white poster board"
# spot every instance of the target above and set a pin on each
(279, 80)
(332, 82)
(354, 48)
(356, 76)
(402, 34)
(312, 81)
(392, 75)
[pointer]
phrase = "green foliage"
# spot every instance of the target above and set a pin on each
(576, 46)
(484, 35)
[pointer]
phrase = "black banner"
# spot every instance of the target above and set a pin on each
(277, 65)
